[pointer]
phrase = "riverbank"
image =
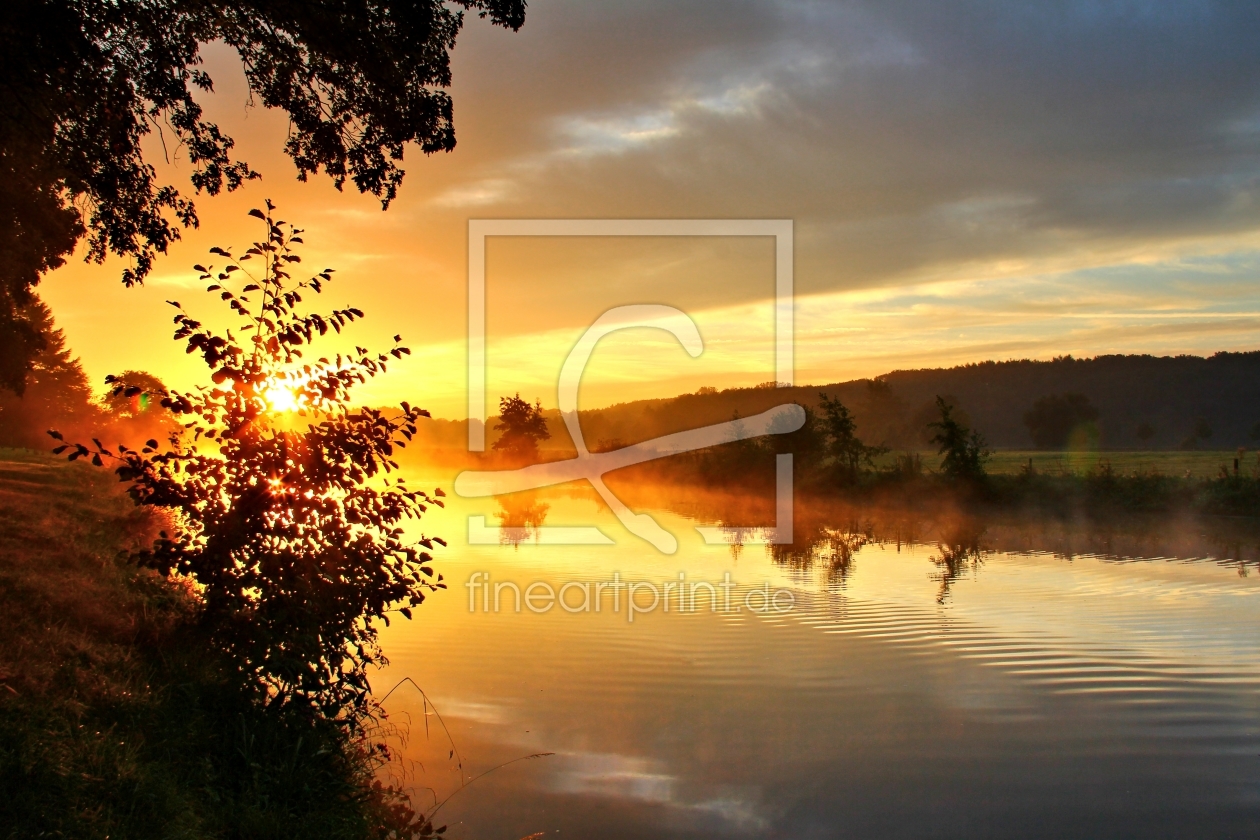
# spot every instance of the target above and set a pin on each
(115, 721)
(910, 481)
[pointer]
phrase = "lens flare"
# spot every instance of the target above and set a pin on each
(281, 398)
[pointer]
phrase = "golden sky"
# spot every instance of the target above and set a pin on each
(966, 181)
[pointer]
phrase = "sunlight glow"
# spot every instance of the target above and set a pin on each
(281, 397)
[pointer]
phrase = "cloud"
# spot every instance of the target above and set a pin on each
(902, 137)
(624, 777)
(987, 145)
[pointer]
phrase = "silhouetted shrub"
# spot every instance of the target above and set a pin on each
(963, 449)
(292, 535)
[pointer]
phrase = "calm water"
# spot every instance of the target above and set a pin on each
(935, 678)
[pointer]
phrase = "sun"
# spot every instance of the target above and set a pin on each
(281, 398)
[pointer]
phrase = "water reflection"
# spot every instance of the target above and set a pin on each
(942, 674)
(958, 554)
(520, 515)
(827, 535)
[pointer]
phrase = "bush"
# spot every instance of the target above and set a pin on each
(292, 536)
(963, 449)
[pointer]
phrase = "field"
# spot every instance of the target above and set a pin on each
(1196, 464)
(113, 720)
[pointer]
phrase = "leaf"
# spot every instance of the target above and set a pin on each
(258, 214)
(55, 434)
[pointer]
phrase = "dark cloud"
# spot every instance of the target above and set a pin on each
(901, 136)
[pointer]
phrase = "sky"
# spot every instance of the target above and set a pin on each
(966, 181)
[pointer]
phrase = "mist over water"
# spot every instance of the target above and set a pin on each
(936, 676)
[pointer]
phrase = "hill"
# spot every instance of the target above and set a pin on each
(1172, 399)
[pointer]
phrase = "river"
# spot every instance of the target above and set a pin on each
(887, 675)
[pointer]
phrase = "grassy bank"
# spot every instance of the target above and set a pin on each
(1059, 484)
(1179, 464)
(115, 720)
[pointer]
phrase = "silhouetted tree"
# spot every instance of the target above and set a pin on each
(133, 408)
(57, 392)
(292, 535)
(963, 449)
(85, 81)
(1144, 432)
(1201, 431)
(1052, 419)
(523, 427)
(804, 443)
(927, 413)
(849, 455)
(134, 394)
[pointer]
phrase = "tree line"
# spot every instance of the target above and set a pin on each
(1109, 402)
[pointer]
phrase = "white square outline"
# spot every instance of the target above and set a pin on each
(479, 229)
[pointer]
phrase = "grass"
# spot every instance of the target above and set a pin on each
(1072, 484)
(1192, 464)
(115, 722)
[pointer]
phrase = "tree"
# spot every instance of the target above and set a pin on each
(134, 394)
(963, 449)
(1145, 431)
(292, 536)
(1052, 419)
(920, 422)
(85, 81)
(1201, 431)
(57, 392)
(849, 455)
(523, 426)
(804, 443)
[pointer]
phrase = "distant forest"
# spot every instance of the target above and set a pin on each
(1108, 402)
